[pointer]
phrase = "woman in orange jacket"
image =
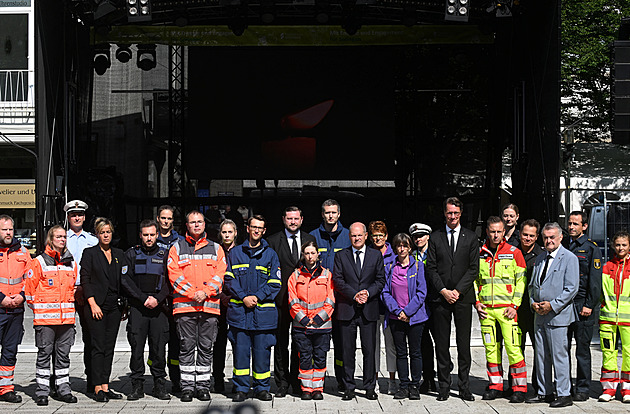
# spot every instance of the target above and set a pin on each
(49, 291)
(311, 302)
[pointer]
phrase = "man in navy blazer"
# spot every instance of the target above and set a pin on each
(358, 278)
(554, 284)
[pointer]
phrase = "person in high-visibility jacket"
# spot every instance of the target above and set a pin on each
(50, 288)
(614, 319)
(14, 262)
(253, 280)
(311, 302)
(196, 267)
(499, 289)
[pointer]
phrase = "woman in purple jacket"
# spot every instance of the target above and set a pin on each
(403, 295)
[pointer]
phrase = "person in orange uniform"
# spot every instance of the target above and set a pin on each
(311, 302)
(614, 320)
(14, 263)
(196, 267)
(50, 288)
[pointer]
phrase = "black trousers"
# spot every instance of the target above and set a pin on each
(442, 314)
(367, 330)
(103, 333)
(582, 330)
(408, 339)
(87, 343)
(285, 367)
(337, 350)
(220, 345)
(173, 352)
(428, 352)
(151, 324)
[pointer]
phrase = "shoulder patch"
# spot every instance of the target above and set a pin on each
(597, 264)
(512, 248)
(124, 269)
(29, 274)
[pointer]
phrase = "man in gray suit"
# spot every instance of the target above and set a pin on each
(554, 284)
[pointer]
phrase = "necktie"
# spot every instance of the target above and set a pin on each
(358, 261)
(544, 272)
(295, 250)
(452, 241)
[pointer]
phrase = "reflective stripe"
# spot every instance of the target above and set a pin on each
(610, 375)
(51, 305)
(339, 362)
(518, 370)
(187, 377)
(236, 301)
(178, 284)
(47, 316)
(203, 377)
(494, 368)
(519, 381)
(28, 297)
(49, 269)
(322, 249)
(263, 269)
(11, 281)
(44, 372)
(266, 305)
(239, 266)
(187, 368)
(6, 373)
(337, 249)
(625, 376)
(43, 381)
(203, 369)
(173, 362)
(218, 279)
(7, 381)
(197, 257)
(326, 325)
(299, 316)
(322, 314)
(611, 315)
(262, 375)
(496, 298)
(177, 305)
(62, 380)
(229, 274)
(241, 371)
(278, 281)
(62, 371)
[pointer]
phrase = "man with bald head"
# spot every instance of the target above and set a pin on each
(358, 278)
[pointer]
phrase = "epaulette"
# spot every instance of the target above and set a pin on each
(592, 242)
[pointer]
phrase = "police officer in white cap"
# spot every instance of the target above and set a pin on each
(79, 240)
(420, 234)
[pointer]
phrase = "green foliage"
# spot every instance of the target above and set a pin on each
(588, 29)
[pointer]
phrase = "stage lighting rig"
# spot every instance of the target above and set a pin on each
(123, 53)
(138, 10)
(102, 58)
(457, 10)
(146, 59)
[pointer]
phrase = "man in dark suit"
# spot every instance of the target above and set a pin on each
(358, 278)
(452, 266)
(287, 245)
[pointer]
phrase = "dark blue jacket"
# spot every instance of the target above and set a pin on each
(253, 272)
(168, 242)
(331, 243)
(416, 309)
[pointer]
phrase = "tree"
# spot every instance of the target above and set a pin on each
(588, 29)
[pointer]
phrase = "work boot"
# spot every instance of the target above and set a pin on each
(159, 390)
(137, 391)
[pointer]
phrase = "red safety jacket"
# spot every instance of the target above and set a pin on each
(311, 297)
(14, 262)
(50, 288)
(195, 266)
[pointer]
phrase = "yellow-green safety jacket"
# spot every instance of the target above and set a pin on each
(615, 308)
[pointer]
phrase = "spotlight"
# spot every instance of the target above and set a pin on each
(123, 53)
(102, 60)
(456, 10)
(146, 59)
(138, 10)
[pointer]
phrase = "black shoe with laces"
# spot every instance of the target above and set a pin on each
(414, 393)
(401, 394)
(239, 397)
(187, 396)
(42, 401)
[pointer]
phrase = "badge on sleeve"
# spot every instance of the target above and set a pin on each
(50, 282)
(597, 263)
(124, 269)
(29, 274)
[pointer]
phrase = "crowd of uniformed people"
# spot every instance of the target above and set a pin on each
(297, 291)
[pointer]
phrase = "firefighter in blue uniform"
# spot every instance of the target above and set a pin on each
(144, 280)
(253, 281)
(167, 236)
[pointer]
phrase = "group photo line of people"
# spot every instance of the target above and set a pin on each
(295, 292)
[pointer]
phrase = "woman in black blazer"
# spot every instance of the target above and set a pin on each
(101, 267)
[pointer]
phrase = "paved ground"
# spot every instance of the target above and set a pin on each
(25, 385)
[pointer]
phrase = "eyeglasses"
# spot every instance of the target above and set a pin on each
(256, 228)
(378, 236)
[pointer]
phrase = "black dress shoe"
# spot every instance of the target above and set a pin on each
(10, 397)
(101, 396)
(443, 395)
(43, 400)
(113, 395)
(219, 385)
(401, 394)
(187, 396)
(317, 395)
(371, 395)
(282, 391)
(264, 395)
(427, 385)
(240, 396)
(68, 398)
(517, 397)
(490, 395)
(540, 399)
(306, 395)
(203, 395)
(580, 396)
(466, 395)
(414, 393)
(562, 402)
(341, 388)
(348, 395)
